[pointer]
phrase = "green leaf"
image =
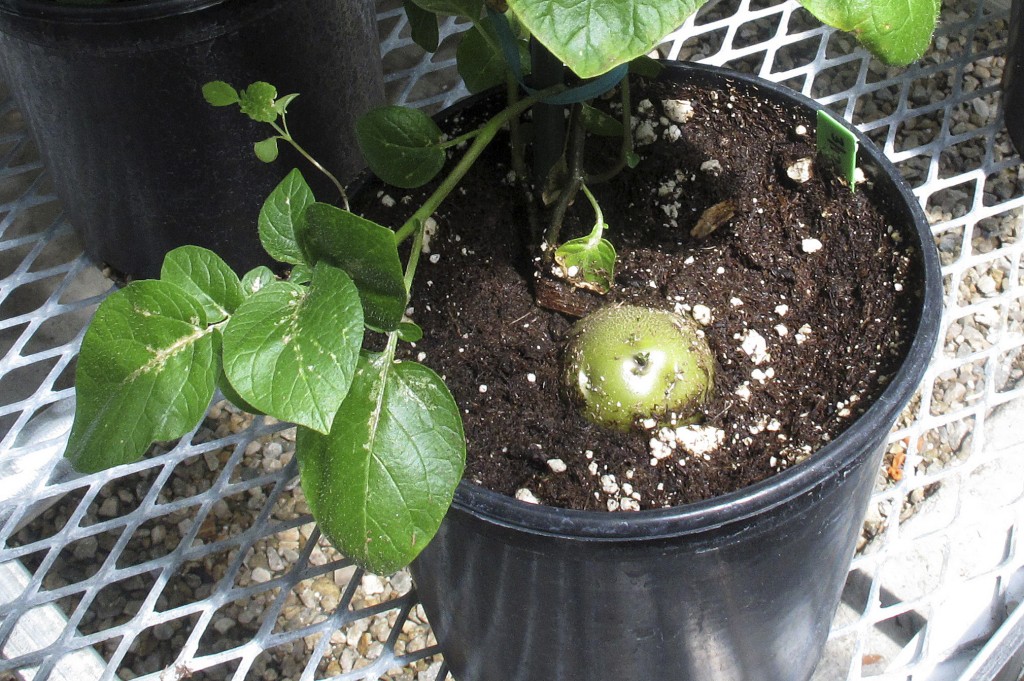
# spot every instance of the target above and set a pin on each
(423, 25)
(410, 332)
(470, 9)
(646, 67)
(593, 36)
(257, 279)
(219, 93)
(257, 102)
(145, 373)
(290, 351)
(300, 274)
(598, 122)
(401, 145)
(480, 60)
(367, 251)
(230, 394)
(588, 262)
(279, 214)
(382, 480)
(266, 150)
(205, 277)
(281, 105)
(895, 32)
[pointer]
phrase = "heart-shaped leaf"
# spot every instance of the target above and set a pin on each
(401, 145)
(205, 277)
(219, 93)
(266, 150)
(145, 373)
(896, 32)
(301, 274)
(257, 279)
(588, 262)
(290, 351)
(597, 122)
(367, 251)
(593, 36)
(382, 480)
(422, 25)
(279, 214)
(480, 60)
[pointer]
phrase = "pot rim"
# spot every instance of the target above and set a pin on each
(831, 461)
(106, 14)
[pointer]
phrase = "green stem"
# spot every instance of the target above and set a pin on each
(599, 225)
(574, 163)
(485, 135)
(459, 140)
(286, 136)
(414, 258)
(519, 161)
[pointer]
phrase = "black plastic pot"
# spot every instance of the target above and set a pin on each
(140, 161)
(1013, 78)
(742, 586)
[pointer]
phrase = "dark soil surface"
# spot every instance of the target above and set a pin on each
(813, 269)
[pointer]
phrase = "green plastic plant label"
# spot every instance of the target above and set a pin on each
(838, 146)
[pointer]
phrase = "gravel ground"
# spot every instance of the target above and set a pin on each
(365, 635)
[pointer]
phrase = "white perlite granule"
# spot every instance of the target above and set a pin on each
(678, 110)
(699, 440)
(523, 494)
(811, 245)
(755, 346)
(557, 465)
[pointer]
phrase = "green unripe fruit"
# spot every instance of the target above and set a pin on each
(626, 364)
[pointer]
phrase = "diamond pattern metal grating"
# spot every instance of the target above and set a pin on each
(201, 561)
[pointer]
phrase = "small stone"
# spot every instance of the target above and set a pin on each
(85, 549)
(261, 575)
(108, 509)
(987, 285)
(223, 624)
(372, 585)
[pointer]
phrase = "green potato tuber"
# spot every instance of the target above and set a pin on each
(626, 364)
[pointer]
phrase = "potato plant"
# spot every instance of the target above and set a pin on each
(380, 443)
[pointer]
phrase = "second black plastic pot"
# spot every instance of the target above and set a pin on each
(743, 586)
(140, 161)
